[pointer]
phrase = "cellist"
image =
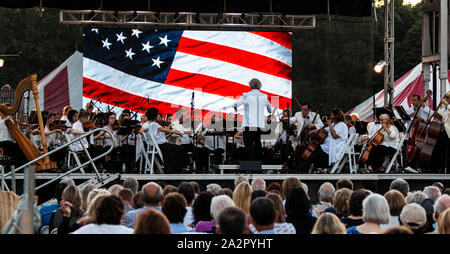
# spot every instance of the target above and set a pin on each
(440, 152)
(391, 138)
(328, 152)
(305, 118)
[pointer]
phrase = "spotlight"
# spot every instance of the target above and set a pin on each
(379, 66)
(2, 62)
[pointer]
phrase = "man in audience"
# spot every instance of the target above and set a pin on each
(414, 217)
(400, 185)
(344, 183)
(263, 215)
(432, 192)
(258, 184)
(440, 186)
(214, 188)
(126, 195)
(288, 184)
(152, 196)
(132, 184)
(47, 210)
(441, 204)
(416, 197)
(138, 200)
(174, 208)
(232, 220)
(187, 190)
(325, 195)
(257, 194)
(240, 179)
(196, 189)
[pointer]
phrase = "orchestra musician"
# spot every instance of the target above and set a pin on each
(351, 128)
(180, 124)
(329, 151)
(304, 118)
(440, 156)
(77, 130)
(372, 128)
(65, 112)
(72, 117)
(8, 145)
(128, 142)
(171, 153)
(215, 143)
(391, 137)
(285, 137)
(254, 103)
(104, 142)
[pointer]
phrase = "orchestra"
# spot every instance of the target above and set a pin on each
(302, 141)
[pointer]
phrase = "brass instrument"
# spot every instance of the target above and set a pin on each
(30, 151)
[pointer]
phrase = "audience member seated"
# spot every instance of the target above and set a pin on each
(218, 204)
(447, 191)
(202, 211)
(281, 226)
(108, 218)
(298, 211)
(242, 196)
(396, 202)
(440, 186)
(416, 197)
(274, 186)
(138, 200)
(126, 195)
(398, 230)
(84, 194)
(400, 185)
(151, 222)
(432, 192)
(328, 223)
(258, 184)
(232, 220)
(375, 212)
(214, 188)
(344, 183)
(132, 184)
(257, 194)
(196, 188)
(263, 215)
(187, 190)
(441, 204)
(428, 205)
(444, 222)
(414, 217)
(169, 189)
(174, 208)
(115, 189)
(355, 208)
(240, 179)
(47, 210)
(226, 191)
(325, 196)
(340, 203)
(288, 184)
(152, 196)
(72, 197)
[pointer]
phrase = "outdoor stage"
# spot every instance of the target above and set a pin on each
(375, 182)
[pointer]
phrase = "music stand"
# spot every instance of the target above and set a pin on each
(361, 127)
(402, 112)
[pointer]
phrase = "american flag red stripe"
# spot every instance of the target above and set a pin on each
(284, 39)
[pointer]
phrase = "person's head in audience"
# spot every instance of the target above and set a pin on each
(428, 205)
(59, 191)
(274, 186)
(328, 223)
(258, 184)
(376, 209)
(344, 183)
(138, 200)
(326, 192)
(85, 192)
(355, 202)
(152, 221)
(416, 197)
(214, 188)
(432, 192)
(398, 230)
(226, 191)
(187, 190)
(239, 179)
(174, 207)
(263, 214)
(232, 220)
(126, 195)
(288, 184)
(72, 195)
(278, 203)
(341, 202)
(305, 188)
(444, 222)
(196, 188)
(242, 196)
(94, 199)
(257, 194)
(132, 184)
(202, 207)
(115, 189)
(109, 211)
(396, 202)
(441, 204)
(169, 189)
(297, 204)
(68, 181)
(446, 191)
(400, 185)
(414, 217)
(152, 194)
(440, 186)
(218, 204)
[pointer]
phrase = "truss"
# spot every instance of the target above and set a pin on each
(188, 19)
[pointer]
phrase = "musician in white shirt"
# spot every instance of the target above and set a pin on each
(8, 145)
(391, 138)
(306, 118)
(254, 103)
(423, 114)
(331, 148)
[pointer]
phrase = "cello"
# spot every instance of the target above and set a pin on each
(375, 140)
(306, 138)
(312, 145)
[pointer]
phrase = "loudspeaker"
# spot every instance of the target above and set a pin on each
(250, 166)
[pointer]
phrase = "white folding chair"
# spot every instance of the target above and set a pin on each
(73, 154)
(152, 150)
(349, 149)
(398, 151)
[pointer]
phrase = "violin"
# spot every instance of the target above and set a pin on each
(56, 126)
(116, 126)
(91, 125)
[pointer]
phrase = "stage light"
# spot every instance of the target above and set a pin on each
(379, 66)
(2, 62)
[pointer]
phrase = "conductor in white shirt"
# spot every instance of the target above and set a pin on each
(254, 103)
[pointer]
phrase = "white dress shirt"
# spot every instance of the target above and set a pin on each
(5, 135)
(254, 103)
(302, 122)
(159, 135)
(333, 147)
(76, 147)
(372, 128)
(179, 127)
(424, 113)
(391, 140)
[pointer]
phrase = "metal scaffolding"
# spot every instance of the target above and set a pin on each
(189, 20)
(389, 42)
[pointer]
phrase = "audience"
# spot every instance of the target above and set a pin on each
(187, 190)
(396, 202)
(94, 198)
(416, 197)
(257, 194)
(242, 196)
(47, 210)
(288, 184)
(152, 197)
(325, 196)
(126, 195)
(138, 200)
(432, 192)
(428, 205)
(218, 204)
(226, 191)
(152, 221)
(341, 203)
(258, 184)
(84, 194)
(263, 215)
(274, 186)
(444, 222)
(446, 191)
(414, 217)
(169, 189)
(344, 183)
(355, 208)
(132, 184)
(440, 186)
(328, 223)
(442, 204)
(174, 208)
(298, 211)
(71, 196)
(240, 179)
(400, 185)
(232, 220)
(115, 189)
(398, 230)
(196, 188)
(202, 210)
(375, 212)
(214, 188)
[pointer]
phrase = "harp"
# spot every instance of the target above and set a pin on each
(30, 151)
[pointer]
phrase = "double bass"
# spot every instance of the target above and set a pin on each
(431, 137)
(30, 151)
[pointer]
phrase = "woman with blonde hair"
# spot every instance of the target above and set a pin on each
(444, 222)
(242, 196)
(70, 210)
(341, 203)
(396, 202)
(328, 223)
(152, 221)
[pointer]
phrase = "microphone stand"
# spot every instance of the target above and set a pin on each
(135, 113)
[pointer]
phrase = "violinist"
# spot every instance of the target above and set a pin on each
(305, 118)
(72, 117)
(77, 130)
(391, 138)
(104, 142)
(184, 127)
(281, 131)
(128, 142)
(329, 151)
(285, 137)
(65, 113)
(215, 143)
(52, 133)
